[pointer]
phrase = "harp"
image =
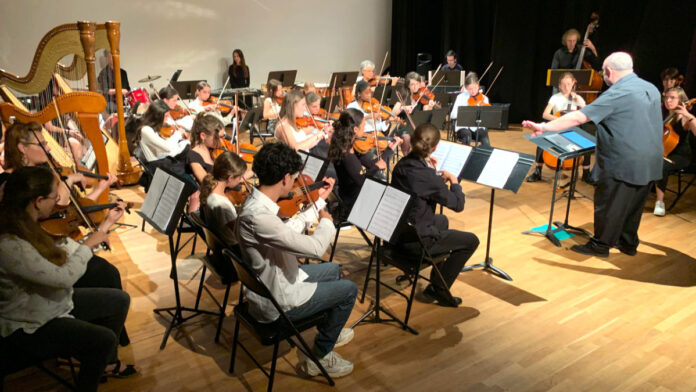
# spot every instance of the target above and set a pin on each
(80, 39)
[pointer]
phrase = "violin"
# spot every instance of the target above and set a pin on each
(279, 100)
(223, 105)
(166, 131)
(363, 144)
(423, 96)
(238, 194)
(310, 121)
(303, 193)
(380, 80)
(478, 100)
(65, 221)
(323, 113)
(246, 150)
(374, 107)
(178, 113)
(670, 138)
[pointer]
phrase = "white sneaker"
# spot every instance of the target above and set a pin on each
(659, 208)
(344, 337)
(332, 362)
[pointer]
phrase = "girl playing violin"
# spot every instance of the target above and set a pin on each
(560, 103)
(202, 96)
(43, 314)
(271, 104)
(347, 163)
(682, 123)
(147, 135)
(218, 212)
(171, 97)
(471, 95)
(205, 138)
(286, 131)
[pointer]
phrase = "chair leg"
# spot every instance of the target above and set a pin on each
(410, 300)
(222, 312)
(234, 346)
(271, 374)
(335, 243)
(200, 287)
(367, 276)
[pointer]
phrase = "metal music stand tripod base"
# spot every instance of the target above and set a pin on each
(376, 306)
(488, 262)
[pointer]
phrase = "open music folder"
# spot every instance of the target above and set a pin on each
(451, 157)
(163, 201)
(313, 165)
(379, 208)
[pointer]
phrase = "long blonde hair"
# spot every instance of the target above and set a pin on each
(24, 186)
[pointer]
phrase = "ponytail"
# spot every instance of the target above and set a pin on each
(425, 138)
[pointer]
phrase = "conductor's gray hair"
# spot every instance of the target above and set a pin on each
(620, 61)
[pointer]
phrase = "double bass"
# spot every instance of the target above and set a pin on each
(592, 90)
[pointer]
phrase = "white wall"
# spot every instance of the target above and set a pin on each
(316, 37)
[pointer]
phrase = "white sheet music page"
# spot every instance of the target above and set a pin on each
(167, 203)
(388, 213)
(154, 193)
(455, 158)
(498, 168)
(312, 166)
(366, 204)
(440, 153)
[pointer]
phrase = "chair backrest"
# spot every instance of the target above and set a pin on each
(197, 222)
(248, 276)
(249, 119)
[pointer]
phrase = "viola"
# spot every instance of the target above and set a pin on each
(478, 100)
(379, 80)
(246, 150)
(322, 113)
(303, 193)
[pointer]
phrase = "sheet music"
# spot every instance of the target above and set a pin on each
(167, 203)
(312, 165)
(451, 157)
(366, 204)
(388, 213)
(498, 168)
(157, 185)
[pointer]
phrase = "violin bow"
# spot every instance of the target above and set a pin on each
(180, 99)
(494, 79)
(236, 116)
(436, 84)
(486, 71)
(408, 115)
(333, 87)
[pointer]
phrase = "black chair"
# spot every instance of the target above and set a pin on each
(684, 184)
(218, 265)
(269, 333)
(257, 125)
(9, 363)
(410, 256)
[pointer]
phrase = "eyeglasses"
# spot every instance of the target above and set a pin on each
(44, 144)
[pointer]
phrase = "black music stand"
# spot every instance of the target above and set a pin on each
(338, 81)
(163, 209)
(568, 147)
(477, 166)
(447, 78)
(186, 89)
(420, 117)
(287, 78)
(377, 248)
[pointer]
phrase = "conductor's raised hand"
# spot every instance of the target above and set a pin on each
(535, 127)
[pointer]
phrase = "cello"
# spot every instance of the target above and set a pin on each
(670, 138)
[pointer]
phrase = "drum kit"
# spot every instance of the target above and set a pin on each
(137, 100)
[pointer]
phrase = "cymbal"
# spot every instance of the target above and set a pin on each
(149, 79)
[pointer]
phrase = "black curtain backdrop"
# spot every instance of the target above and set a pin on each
(523, 35)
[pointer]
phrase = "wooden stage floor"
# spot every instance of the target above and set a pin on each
(566, 323)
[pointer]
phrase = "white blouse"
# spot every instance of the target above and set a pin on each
(155, 147)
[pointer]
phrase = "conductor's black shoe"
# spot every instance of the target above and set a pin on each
(590, 249)
(627, 250)
(534, 177)
(442, 298)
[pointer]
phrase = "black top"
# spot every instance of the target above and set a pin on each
(629, 131)
(105, 80)
(446, 67)
(237, 78)
(412, 175)
(3, 177)
(563, 59)
(350, 176)
(194, 157)
(683, 148)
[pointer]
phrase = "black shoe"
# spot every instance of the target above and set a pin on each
(590, 249)
(628, 250)
(586, 177)
(443, 298)
(534, 177)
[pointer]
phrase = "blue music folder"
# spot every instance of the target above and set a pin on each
(578, 139)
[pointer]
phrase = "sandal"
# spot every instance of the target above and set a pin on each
(129, 371)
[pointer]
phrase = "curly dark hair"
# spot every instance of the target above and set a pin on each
(153, 117)
(274, 161)
(344, 133)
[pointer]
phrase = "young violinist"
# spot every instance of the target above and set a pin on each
(287, 131)
(171, 97)
(43, 315)
(202, 97)
(682, 123)
(471, 95)
(152, 145)
(271, 104)
(238, 71)
(205, 139)
(349, 167)
(566, 100)
(218, 212)
(415, 174)
(272, 246)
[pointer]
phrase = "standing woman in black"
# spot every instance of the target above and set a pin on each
(415, 174)
(238, 71)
